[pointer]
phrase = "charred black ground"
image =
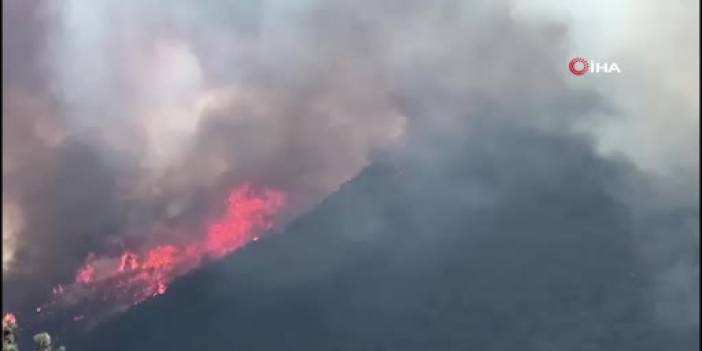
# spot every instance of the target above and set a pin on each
(525, 249)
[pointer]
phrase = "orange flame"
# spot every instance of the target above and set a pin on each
(136, 277)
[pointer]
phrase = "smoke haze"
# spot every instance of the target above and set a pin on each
(123, 120)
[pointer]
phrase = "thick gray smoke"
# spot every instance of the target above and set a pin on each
(150, 114)
(122, 116)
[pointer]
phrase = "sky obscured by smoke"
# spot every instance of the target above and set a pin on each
(124, 116)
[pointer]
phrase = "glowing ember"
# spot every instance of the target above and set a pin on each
(86, 274)
(128, 261)
(137, 275)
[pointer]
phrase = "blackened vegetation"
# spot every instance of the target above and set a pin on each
(476, 248)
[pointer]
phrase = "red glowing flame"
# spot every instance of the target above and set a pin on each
(140, 274)
(86, 274)
(128, 261)
(244, 219)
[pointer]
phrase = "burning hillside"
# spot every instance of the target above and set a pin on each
(111, 284)
(143, 140)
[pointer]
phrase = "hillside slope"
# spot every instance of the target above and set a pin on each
(457, 245)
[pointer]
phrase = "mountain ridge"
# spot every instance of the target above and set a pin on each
(472, 249)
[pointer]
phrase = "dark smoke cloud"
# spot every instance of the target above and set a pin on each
(120, 116)
(143, 121)
(60, 196)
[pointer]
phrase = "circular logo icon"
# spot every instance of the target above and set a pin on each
(578, 66)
